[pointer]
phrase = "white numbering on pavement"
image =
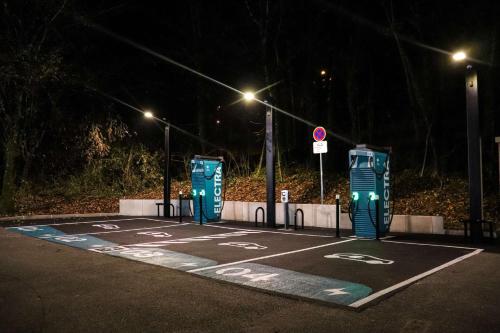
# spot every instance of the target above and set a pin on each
(246, 273)
(70, 239)
(106, 226)
(107, 249)
(245, 245)
(156, 234)
(28, 228)
(140, 253)
(367, 259)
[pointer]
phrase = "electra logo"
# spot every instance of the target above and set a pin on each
(386, 194)
(218, 190)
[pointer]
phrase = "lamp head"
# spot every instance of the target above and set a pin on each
(459, 56)
(249, 96)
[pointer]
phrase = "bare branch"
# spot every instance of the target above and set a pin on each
(252, 16)
(58, 12)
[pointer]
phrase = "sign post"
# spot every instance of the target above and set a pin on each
(320, 147)
(284, 200)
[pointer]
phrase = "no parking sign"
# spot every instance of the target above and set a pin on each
(320, 147)
(319, 133)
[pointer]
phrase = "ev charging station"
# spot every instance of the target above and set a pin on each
(370, 191)
(206, 184)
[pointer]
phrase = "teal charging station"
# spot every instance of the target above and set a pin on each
(370, 191)
(206, 181)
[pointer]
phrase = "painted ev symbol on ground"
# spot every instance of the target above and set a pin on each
(70, 239)
(27, 228)
(245, 245)
(156, 234)
(336, 291)
(106, 226)
(367, 259)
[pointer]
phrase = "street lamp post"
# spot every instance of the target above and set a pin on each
(473, 150)
(270, 168)
(166, 174)
(166, 166)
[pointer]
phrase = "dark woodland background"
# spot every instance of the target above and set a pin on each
(384, 85)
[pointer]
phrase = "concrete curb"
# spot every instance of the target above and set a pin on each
(54, 216)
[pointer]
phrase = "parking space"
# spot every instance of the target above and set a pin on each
(311, 265)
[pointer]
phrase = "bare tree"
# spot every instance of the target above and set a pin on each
(29, 67)
(419, 100)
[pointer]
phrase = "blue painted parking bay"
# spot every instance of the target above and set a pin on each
(306, 264)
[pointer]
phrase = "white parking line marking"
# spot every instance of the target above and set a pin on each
(380, 293)
(271, 256)
(202, 238)
(101, 221)
(428, 244)
(114, 231)
(150, 219)
(270, 232)
(81, 222)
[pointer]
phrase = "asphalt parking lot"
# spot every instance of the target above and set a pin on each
(306, 268)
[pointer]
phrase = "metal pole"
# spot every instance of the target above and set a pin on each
(377, 220)
(321, 174)
(474, 155)
(270, 169)
(166, 174)
(287, 218)
(497, 140)
(337, 215)
(180, 207)
(201, 209)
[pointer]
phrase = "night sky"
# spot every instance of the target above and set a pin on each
(389, 79)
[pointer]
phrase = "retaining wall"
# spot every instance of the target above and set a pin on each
(315, 215)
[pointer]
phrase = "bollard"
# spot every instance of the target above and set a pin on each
(180, 207)
(201, 209)
(337, 215)
(287, 218)
(377, 223)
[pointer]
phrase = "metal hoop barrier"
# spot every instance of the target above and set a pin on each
(172, 210)
(256, 215)
(295, 218)
(468, 226)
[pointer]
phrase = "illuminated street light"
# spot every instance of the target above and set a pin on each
(166, 168)
(323, 72)
(473, 149)
(459, 56)
(249, 96)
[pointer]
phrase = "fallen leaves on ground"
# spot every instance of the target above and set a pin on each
(447, 197)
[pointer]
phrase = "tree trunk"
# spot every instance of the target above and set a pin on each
(9, 176)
